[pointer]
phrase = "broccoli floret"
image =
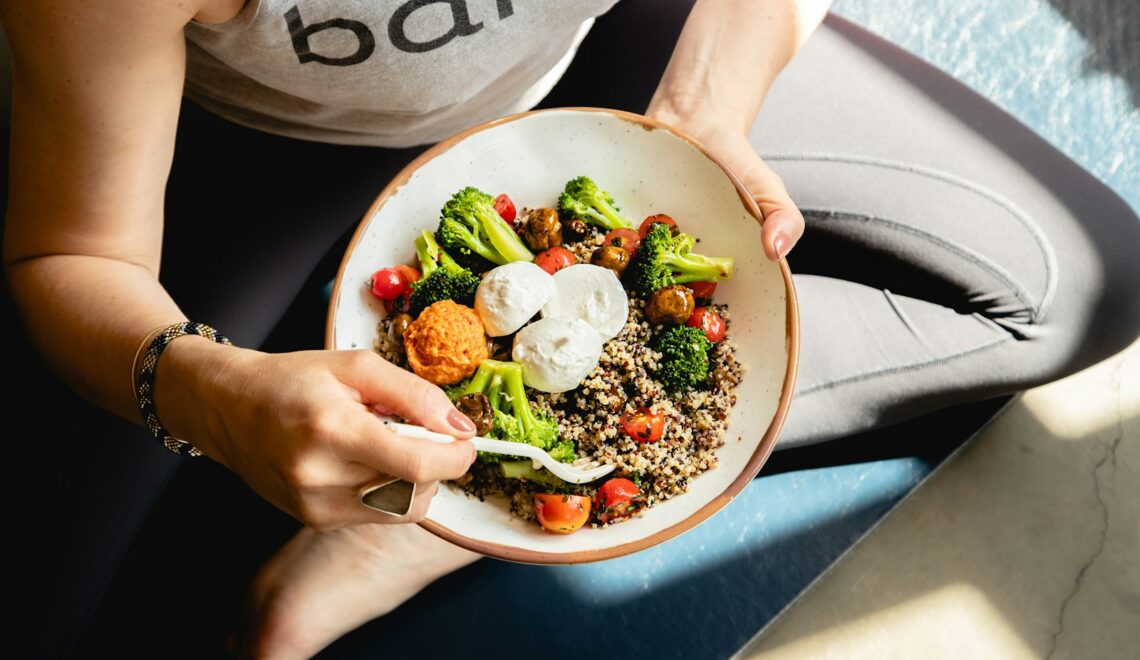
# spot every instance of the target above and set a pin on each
(469, 222)
(457, 390)
(584, 200)
(684, 358)
(664, 259)
(442, 278)
(564, 451)
(515, 419)
(525, 470)
(472, 261)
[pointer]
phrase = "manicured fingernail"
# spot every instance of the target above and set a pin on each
(781, 245)
(460, 422)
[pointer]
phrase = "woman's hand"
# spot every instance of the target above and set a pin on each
(783, 224)
(301, 429)
(726, 59)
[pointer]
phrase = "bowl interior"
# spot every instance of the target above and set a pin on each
(648, 171)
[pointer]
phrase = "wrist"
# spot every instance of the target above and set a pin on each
(697, 116)
(195, 381)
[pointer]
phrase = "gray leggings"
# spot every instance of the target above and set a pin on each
(951, 254)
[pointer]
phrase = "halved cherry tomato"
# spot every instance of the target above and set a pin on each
(505, 207)
(561, 514)
(626, 239)
(616, 499)
(643, 425)
(702, 290)
(660, 218)
(555, 259)
(409, 274)
(708, 322)
(390, 283)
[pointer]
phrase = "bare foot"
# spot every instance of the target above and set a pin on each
(322, 585)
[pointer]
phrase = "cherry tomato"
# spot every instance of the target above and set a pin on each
(708, 322)
(390, 283)
(555, 259)
(505, 207)
(660, 218)
(616, 499)
(408, 273)
(626, 239)
(561, 514)
(643, 425)
(702, 290)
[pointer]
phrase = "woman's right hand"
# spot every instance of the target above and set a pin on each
(301, 429)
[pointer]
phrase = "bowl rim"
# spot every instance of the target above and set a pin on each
(767, 442)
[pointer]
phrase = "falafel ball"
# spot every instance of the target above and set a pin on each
(446, 343)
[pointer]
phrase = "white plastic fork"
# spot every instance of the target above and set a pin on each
(581, 471)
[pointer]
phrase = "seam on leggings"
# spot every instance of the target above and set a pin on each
(1048, 256)
(902, 315)
(867, 375)
(997, 271)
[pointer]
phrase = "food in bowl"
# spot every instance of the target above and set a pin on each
(591, 354)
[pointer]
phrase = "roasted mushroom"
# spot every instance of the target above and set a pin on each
(575, 230)
(612, 257)
(672, 303)
(400, 323)
(543, 230)
(478, 408)
(499, 351)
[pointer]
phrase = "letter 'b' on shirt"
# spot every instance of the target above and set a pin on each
(382, 73)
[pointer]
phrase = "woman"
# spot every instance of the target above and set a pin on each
(949, 260)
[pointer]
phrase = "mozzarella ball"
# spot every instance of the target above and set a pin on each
(557, 353)
(511, 295)
(592, 294)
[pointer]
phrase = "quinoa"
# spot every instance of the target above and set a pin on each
(623, 382)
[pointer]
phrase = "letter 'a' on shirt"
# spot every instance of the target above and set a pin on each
(392, 73)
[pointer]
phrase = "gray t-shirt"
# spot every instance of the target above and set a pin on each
(383, 72)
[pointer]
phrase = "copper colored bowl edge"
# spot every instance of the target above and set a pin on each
(763, 450)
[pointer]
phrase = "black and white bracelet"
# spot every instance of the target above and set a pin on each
(144, 381)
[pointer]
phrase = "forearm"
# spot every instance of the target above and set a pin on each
(88, 316)
(728, 55)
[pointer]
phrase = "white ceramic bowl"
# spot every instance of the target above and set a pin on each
(649, 168)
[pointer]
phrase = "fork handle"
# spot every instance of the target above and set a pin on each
(481, 443)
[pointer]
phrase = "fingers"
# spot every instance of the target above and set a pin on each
(783, 227)
(783, 224)
(388, 387)
(367, 440)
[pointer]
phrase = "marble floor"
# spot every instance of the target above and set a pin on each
(1027, 545)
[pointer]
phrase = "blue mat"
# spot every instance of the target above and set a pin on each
(1068, 69)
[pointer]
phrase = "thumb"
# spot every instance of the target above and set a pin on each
(783, 224)
(390, 388)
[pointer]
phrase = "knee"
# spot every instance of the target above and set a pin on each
(1117, 317)
(1102, 282)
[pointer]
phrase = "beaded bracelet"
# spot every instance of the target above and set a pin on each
(144, 380)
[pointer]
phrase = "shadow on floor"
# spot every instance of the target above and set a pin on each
(1111, 28)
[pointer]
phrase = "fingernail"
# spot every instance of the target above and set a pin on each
(460, 422)
(780, 243)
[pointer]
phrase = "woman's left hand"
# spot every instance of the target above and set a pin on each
(783, 224)
(725, 61)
